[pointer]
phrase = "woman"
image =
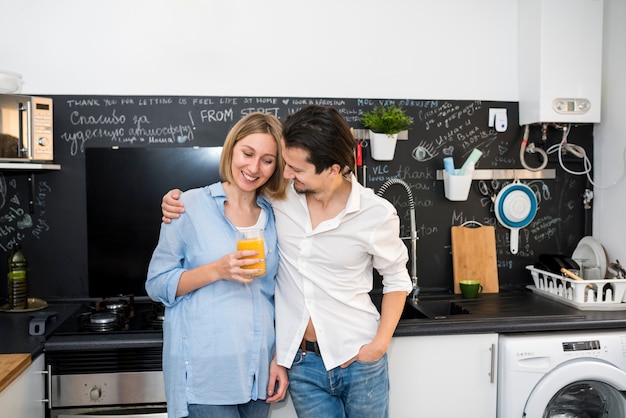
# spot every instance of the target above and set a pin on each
(218, 349)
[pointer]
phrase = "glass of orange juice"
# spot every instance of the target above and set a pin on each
(252, 239)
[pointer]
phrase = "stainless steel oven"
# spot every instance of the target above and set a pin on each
(25, 128)
(105, 361)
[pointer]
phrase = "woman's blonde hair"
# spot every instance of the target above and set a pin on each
(256, 122)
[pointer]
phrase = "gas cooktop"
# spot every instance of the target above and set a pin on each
(113, 315)
(116, 322)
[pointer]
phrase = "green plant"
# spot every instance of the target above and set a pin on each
(386, 119)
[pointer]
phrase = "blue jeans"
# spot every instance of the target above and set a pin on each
(252, 409)
(359, 391)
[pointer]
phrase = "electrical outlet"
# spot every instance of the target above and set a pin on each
(498, 119)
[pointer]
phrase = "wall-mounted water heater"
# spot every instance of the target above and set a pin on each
(560, 61)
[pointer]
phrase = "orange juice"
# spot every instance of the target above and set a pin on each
(257, 244)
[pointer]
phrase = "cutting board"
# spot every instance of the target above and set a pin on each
(474, 256)
(11, 366)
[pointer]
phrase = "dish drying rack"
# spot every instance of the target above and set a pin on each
(594, 295)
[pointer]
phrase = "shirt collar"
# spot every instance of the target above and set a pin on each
(218, 192)
(354, 200)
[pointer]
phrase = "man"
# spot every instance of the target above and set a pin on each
(332, 232)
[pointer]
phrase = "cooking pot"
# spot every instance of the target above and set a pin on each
(515, 207)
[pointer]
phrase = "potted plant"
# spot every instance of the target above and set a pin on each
(384, 123)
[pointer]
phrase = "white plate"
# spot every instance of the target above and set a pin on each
(590, 250)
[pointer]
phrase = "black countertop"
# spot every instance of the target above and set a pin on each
(15, 336)
(489, 313)
(521, 311)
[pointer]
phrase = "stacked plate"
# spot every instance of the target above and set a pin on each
(592, 258)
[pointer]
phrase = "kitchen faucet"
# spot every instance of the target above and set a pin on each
(413, 236)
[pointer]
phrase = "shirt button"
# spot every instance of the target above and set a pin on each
(186, 363)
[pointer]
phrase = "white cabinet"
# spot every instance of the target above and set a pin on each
(437, 376)
(283, 409)
(24, 396)
(443, 376)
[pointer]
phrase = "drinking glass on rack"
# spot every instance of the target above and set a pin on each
(581, 269)
(593, 273)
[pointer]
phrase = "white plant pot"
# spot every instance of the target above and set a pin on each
(383, 146)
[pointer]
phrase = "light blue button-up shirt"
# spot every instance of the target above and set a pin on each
(218, 341)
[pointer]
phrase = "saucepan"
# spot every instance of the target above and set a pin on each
(515, 207)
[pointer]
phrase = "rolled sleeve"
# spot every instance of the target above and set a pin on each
(390, 256)
(165, 267)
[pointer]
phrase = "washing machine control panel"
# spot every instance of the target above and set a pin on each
(581, 345)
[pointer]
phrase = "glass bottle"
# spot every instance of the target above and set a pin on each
(18, 285)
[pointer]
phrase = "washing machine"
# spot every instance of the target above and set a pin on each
(562, 375)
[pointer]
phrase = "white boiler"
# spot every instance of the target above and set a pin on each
(560, 61)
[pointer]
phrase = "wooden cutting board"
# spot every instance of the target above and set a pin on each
(474, 256)
(11, 366)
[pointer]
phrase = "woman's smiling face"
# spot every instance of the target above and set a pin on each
(254, 160)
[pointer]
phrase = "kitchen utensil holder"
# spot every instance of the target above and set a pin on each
(601, 294)
(457, 187)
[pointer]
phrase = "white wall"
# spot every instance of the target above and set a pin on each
(325, 48)
(419, 49)
(610, 137)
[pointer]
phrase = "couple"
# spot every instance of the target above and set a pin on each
(323, 238)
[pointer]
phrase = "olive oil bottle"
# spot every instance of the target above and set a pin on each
(18, 285)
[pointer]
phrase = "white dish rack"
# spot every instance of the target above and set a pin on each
(594, 295)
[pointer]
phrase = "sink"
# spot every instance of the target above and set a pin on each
(438, 309)
(427, 309)
(411, 312)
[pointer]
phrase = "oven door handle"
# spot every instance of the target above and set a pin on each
(23, 148)
(48, 372)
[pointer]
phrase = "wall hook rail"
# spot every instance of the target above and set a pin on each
(509, 174)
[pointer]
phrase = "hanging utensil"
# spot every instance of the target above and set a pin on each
(618, 270)
(515, 208)
(489, 190)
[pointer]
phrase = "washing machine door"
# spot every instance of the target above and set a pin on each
(579, 388)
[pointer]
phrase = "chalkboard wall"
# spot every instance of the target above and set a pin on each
(54, 234)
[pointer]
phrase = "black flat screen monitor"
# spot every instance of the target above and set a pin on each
(124, 191)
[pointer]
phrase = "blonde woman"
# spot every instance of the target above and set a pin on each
(218, 333)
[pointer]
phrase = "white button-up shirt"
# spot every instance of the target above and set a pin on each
(326, 273)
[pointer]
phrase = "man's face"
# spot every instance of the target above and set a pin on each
(302, 172)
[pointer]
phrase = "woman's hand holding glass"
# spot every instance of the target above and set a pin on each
(233, 266)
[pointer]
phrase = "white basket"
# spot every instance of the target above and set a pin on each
(606, 294)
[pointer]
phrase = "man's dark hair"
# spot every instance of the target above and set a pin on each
(324, 134)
